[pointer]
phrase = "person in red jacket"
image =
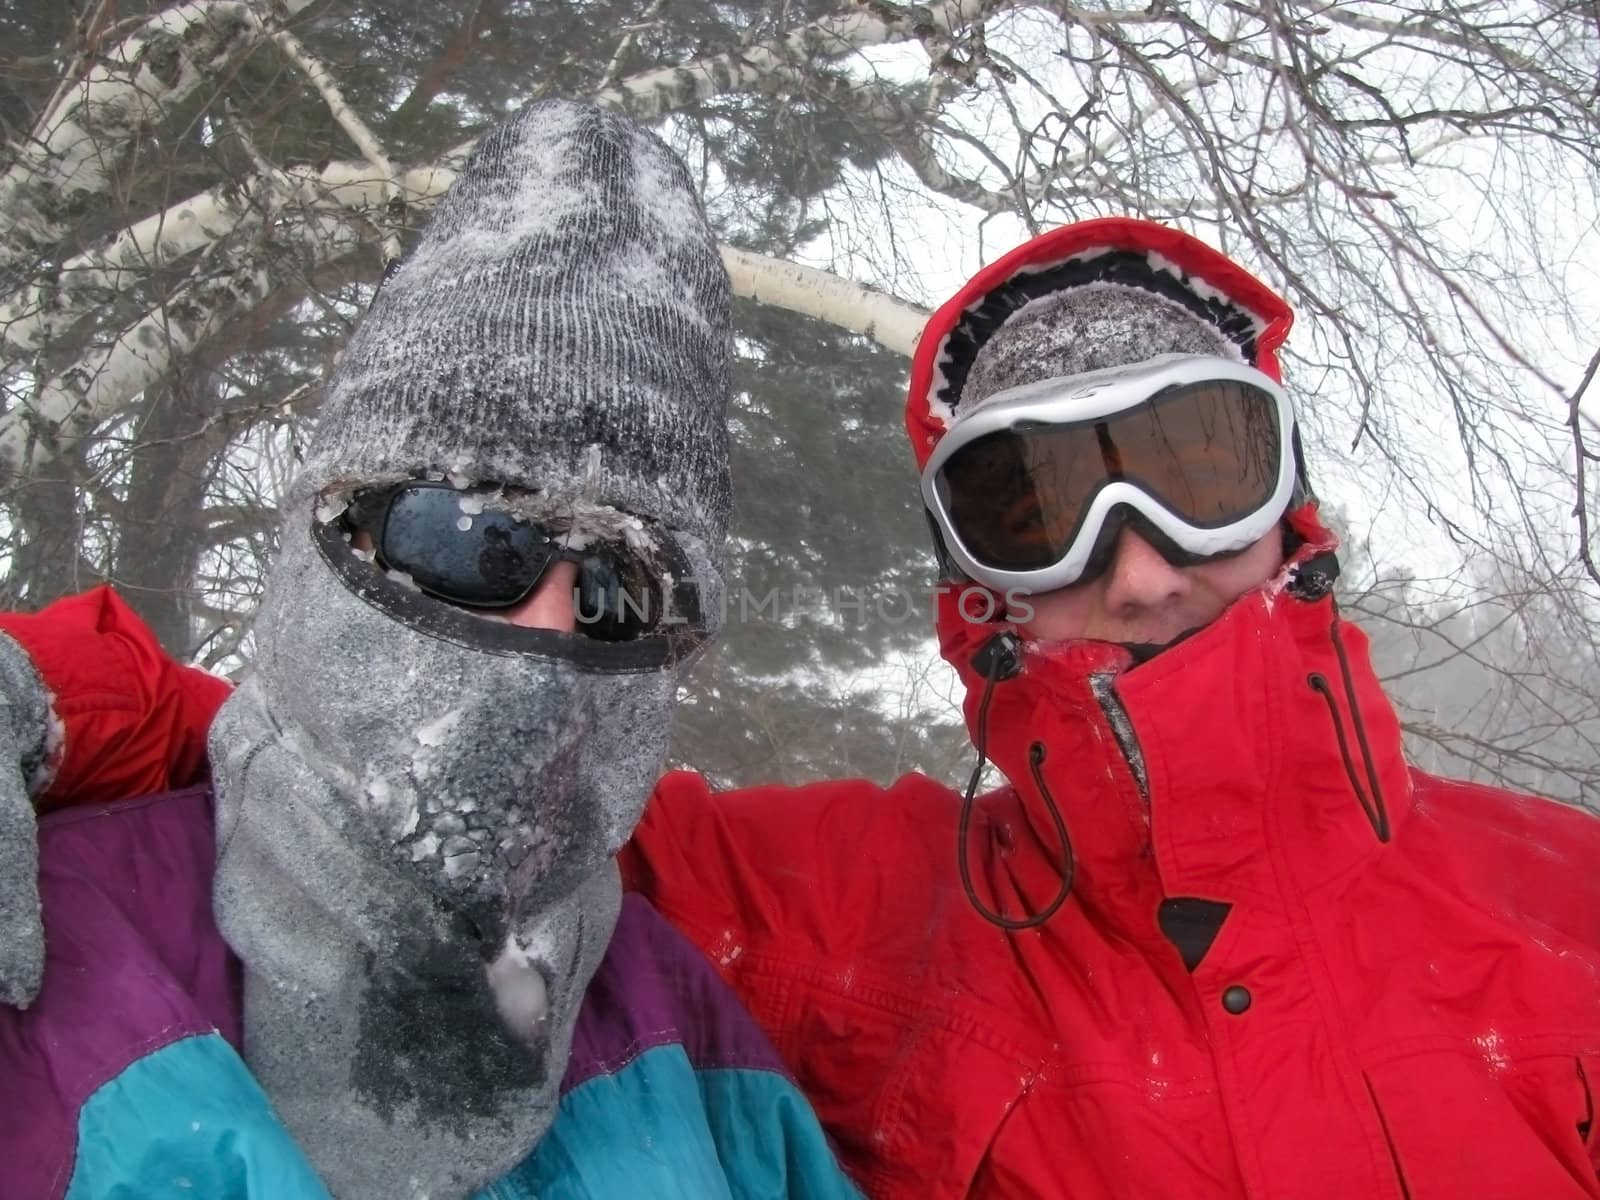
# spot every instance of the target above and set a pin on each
(1215, 938)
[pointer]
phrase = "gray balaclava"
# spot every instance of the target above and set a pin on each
(418, 808)
(29, 732)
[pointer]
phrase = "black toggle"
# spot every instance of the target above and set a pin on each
(1314, 578)
(1000, 657)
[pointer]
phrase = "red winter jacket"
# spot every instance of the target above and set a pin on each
(1416, 1018)
(1403, 1000)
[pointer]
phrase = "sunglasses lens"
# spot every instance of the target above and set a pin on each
(1209, 452)
(608, 609)
(457, 549)
(484, 558)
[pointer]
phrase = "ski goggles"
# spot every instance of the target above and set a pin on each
(1029, 491)
(456, 546)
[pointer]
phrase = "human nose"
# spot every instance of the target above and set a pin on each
(549, 605)
(1139, 578)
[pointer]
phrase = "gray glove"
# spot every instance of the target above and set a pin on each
(24, 722)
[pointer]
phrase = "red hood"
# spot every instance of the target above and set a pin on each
(1170, 774)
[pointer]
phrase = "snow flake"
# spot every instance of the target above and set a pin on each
(331, 508)
(436, 732)
(519, 990)
(1160, 262)
(1493, 1049)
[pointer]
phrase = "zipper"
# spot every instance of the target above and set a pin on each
(1388, 1138)
(1103, 687)
(1585, 1126)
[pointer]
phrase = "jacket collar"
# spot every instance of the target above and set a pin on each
(1257, 751)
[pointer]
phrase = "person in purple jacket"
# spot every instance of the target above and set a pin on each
(411, 924)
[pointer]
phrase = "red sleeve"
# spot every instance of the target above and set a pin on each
(814, 869)
(822, 906)
(681, 825)
(132, 721)
(742, 866)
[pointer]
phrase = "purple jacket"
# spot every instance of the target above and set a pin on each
(124, 1077)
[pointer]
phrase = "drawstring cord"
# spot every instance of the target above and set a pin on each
(1371, 799)
(1000, 659)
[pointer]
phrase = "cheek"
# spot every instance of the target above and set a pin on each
(550, 606)
(1233, 577)
(1053, 616)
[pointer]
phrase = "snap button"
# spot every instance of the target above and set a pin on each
(1236, 999)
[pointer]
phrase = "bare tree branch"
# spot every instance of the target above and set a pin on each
(1580, 457)
(68, 405)
(79, 141)
(365, 140)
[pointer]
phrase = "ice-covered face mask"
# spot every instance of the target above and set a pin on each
(498, 765)
(418, 813)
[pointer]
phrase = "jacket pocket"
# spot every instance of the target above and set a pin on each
(1487, 1123)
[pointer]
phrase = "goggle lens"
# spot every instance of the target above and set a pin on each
(1210, 452)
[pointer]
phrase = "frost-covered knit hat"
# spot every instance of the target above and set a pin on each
(1087, 328)
(562, 325)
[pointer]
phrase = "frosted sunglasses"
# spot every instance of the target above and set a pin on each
(457, 548)
(1029, 491)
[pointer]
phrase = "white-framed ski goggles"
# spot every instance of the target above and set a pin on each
(1029, 491)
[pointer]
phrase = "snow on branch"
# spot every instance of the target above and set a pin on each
(69, 405)
(650, 95)
(86, 133)
(30, 317)
(55, 300)
(891, 322)
(101, 385)
(371, 149)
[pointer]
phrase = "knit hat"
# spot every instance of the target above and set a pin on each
(1088, 328)
(563, 325)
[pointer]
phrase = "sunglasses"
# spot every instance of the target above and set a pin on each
(456, 546)
(1029, 491)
